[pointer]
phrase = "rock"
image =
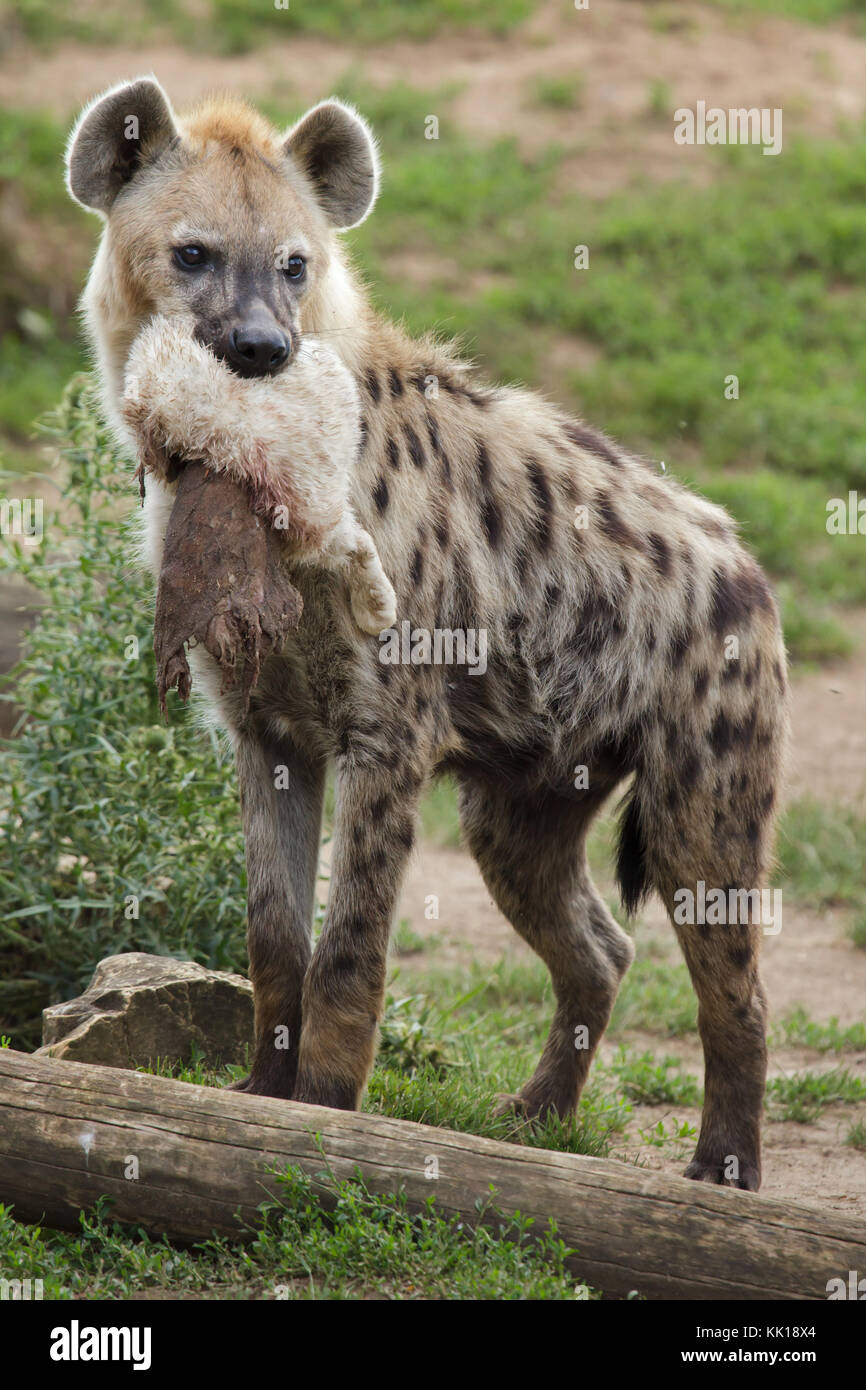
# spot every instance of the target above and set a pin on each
(139, 1007)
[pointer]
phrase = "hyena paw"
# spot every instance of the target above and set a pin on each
(374, 605)
(746, 1176)
(519, 1106)
(277, 1086)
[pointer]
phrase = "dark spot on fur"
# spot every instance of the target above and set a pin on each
(416, 572)
(740, 957)
(341, 963)
(483, 463)
(660, 553)
(416, 452)
(679, 644)
(735, 596)
(552, 594)
(690, 766)
(374, 389)
(593, 441)
(711, 526)
(405, 833)
(702, 681)
(612, 523)
(446, 471)
(394, 454)
(721, 734)
(394, 382)
(433, 435)
(441, 532)
(380, 495)
(492, 521)
(744, 733)
(543, 502)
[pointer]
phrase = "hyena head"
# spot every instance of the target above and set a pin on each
(219, 217)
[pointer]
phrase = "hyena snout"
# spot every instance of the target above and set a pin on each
(253, 343)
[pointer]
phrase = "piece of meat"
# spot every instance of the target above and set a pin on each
(220, 584)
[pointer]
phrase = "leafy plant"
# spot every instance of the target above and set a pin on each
(116, 833)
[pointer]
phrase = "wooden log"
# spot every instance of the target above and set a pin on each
(68, 1130)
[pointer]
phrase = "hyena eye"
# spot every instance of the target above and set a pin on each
(296, 267)
(190, 256)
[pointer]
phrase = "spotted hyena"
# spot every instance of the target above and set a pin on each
(628, 633)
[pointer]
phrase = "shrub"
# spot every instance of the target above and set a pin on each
(118, 834)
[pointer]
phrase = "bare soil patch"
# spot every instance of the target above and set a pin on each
(634, 65)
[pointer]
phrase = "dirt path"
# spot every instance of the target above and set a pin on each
(634, 65)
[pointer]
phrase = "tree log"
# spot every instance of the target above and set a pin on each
(67, 1131)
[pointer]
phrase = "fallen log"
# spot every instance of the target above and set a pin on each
(68, 1131)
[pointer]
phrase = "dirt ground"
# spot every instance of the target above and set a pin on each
(622, 52)
(631, 60)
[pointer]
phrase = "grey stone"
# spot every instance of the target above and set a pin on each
(138, 1008)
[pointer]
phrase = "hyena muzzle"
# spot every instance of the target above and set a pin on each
(629, 634)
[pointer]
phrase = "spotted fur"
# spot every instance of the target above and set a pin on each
(611, 597)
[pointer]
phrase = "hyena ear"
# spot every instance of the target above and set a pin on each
(113, 136)
(336, 149)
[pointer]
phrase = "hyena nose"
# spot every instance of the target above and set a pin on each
(258, 349)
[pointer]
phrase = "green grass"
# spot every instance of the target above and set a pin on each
(797, 1029)
(821, 853)
(319, 1239)
(803, 1096)
(655, 996)
(235, 26)
(560, 93)
(43, 254)
(812, 11)
(856, 1136)
(648, 1080)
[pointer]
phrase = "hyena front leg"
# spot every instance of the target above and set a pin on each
(350, 550)
(281, 792)
(345, 984)
(531, 854)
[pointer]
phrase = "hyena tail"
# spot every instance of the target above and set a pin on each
(631, 862)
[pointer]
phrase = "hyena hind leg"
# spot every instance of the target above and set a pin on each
(723, 964)
(531, 854)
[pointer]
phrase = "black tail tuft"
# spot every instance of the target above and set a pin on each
(631, 866)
